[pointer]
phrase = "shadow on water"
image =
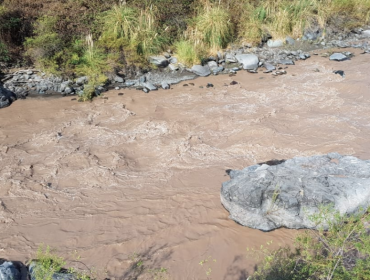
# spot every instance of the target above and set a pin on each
(148, 262)
(235, 270)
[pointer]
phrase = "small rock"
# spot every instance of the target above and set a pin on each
(280, 72)
(150, 86)
(339, 72)
(159, 61)
(129, 84)
(289, 40)
(249, 61)
(81, 80)
(119, 79)
(142, 79)
(117, 88)
(366, 33)
(229, 58)
(209, 85)
(338, 57)
(286, 62)
(275, 43)
(233, 83)
(165, 85)
(185, 85)
(121, 93)
(146, 90)
(200, 70)
(173, 67)
(166, 55)
(69, 90)
(173, 60)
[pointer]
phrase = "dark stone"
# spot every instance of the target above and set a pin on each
(209, 85)
(339, 72)
(233, 83)
(121, 93)
(7, 97)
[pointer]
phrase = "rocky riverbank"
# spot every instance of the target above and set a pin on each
(271, 58)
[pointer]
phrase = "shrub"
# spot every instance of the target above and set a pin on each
(339, 249)
(47, 264)
(45, 46)
(94, 63)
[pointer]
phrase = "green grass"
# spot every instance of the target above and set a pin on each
(339, 249)
(47, 264)
(186, 53)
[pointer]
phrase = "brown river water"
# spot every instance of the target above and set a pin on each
(138, 176)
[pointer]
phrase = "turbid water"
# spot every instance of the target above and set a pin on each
(139, 175)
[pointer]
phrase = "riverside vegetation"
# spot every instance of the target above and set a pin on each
(96, 37)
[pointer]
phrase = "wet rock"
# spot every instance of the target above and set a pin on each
(159, 61)
(200, 70)
(165, 85)
(249, 61)
(119, 79)
(8, 271)
(268, 197)
(339, 72)
(338, 57)
(289, 40)
(275, 43)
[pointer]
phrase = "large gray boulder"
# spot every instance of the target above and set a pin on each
(8, 271)
(268, 197)
(249, 61)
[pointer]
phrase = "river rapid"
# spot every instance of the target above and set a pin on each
(138, 176)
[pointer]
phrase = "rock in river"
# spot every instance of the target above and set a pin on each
(268, 197)
(338, 57)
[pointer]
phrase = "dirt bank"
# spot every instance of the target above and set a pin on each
(141, 173)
